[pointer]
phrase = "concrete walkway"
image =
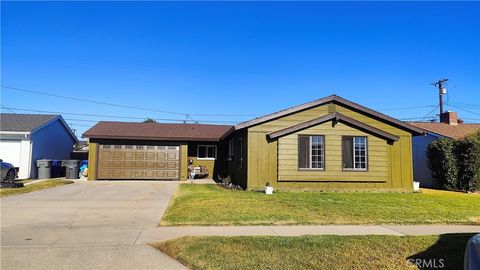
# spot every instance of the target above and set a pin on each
(166, 233)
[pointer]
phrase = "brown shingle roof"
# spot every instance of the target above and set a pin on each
(451, 131)
(156, 131)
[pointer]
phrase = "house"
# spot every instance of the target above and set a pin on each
(25, 138)
(329, 143)
(125, 150)
(448, 127)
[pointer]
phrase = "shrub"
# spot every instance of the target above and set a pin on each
(442, 163)
(468, 161)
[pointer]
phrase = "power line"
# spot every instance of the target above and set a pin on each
(112, 116)
(8, 109)
(119, 105)
(463, 109)
(469, 106)
(407, 108)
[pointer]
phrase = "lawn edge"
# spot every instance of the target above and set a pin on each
(64, 183)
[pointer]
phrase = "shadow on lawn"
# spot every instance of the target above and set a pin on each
(447, 253)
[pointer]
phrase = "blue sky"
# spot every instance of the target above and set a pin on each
(249, 58)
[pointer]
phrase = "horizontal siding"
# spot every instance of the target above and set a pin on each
(288, 156)
(389, 165)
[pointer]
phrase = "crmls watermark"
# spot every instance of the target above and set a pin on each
(428, 263)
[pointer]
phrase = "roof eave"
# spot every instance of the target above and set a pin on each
(116, 137)
(337, 117)
(332, 98)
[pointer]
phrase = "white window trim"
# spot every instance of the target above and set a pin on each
(366, 155)
(207, 146)
(310, 155)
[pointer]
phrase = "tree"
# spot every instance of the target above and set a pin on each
(149, 120)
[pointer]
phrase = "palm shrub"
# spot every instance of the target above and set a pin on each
(442, 163)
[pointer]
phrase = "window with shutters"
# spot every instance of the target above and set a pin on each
(311, 152)
(354, 153)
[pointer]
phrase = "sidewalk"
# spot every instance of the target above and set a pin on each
(160, 234)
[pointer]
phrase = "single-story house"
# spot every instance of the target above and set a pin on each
(448, 127)
(329, 143)
(126, 150)
(25, 138)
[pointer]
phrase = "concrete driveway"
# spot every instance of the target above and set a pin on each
(86, 225)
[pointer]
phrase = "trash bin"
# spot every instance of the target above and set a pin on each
(71, 168)
(56, 168)
(44, 168)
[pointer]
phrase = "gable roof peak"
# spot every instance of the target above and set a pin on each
(372, 113)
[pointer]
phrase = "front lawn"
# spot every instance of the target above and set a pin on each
(318, 252)
(213, 205)
(33, 187)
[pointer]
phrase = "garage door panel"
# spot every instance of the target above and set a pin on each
(128, 164)
(140, 174)
(117, 155)
(172, 156)
(160, 174)
(129, 155)
(150, 155)
(128, 174)
(150, 174)
(161, 155)
(102, 173)
(138, 162)
(172, 174)
(172, 164)
(150, 165)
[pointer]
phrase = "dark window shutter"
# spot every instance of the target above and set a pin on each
(347, 152)
(304, 152)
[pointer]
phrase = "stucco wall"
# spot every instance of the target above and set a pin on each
(50, 142)
(421, 172)
(17, 151)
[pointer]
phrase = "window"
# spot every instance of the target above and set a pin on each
(231, 145)
(354, 153)
(117, 147)
(207, 151)
(311, 152)
(106, 146)
(128, 147)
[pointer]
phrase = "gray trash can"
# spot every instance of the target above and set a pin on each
(71, 168)
(44, 168)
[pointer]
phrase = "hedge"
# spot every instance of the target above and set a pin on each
(442, 163)
(455, 164)
(468, 160)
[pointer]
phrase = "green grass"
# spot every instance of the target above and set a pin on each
(33, 187)
(316, 252)
(213, 205)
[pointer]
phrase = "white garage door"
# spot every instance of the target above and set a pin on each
(17, 152)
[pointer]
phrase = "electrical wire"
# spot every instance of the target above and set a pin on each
(112, 116)
(119, 105)
(407, 108)
(463, 109)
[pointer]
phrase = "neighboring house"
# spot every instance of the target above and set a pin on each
(448, 127)
(329, 143)
(25, 138)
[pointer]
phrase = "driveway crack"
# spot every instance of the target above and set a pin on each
(138, 236)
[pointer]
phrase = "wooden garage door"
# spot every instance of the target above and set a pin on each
(138, 162)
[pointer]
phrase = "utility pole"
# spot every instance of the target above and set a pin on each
(441, 91)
